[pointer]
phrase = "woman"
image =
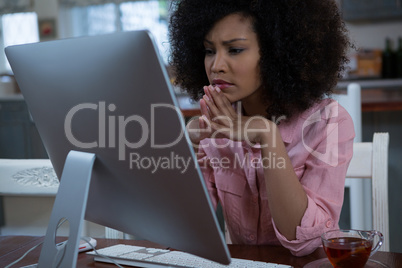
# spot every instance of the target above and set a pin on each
(273, 151)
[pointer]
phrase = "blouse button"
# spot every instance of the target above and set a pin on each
(251, 237)
(328, 224)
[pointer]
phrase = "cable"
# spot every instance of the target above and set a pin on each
(57, 260)
(23, 256)
(29, 250)
(82, 238)
(101, 255)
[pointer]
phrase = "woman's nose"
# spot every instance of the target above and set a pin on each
(219, 63)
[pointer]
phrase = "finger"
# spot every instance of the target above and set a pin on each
(204, 109)
(213, 110)
(201, 122)
(206, 91)
(222, 102)
(229, 107)
(204, 126)
(216, 114)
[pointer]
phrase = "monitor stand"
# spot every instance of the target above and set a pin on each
(70, 205)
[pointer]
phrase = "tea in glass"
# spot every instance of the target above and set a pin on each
(350, 248)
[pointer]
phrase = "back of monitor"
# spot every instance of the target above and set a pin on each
(110, 95)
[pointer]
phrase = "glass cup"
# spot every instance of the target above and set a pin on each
(350, 248)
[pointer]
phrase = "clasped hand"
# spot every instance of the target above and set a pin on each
(220, 120)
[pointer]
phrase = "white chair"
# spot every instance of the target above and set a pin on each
(28, 196)
(351, 101)
(28, 188)
(116, 234)
(359, 190)
(370, 160)
(113, 234)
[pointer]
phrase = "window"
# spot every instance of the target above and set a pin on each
(17, 28)
(126, 16)
(151, 15)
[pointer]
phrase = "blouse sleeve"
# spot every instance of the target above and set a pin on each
(323, 180)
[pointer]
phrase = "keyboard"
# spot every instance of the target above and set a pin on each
(158, 258)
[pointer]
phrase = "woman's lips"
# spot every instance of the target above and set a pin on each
(222, 84)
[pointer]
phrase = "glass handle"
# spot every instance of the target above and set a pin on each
(379, 243)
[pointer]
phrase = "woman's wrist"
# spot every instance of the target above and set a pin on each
(263, 129)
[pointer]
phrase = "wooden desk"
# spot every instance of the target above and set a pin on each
(13, 247)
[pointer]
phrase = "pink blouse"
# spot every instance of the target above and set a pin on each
(319, 144)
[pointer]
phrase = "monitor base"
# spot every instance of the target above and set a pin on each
(70, 205)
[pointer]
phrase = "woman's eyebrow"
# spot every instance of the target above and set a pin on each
(228, 41)
(234, 40)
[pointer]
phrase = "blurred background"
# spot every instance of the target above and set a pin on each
(376, 64)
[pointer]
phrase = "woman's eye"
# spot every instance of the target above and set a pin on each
(235, 50)
(209, 51)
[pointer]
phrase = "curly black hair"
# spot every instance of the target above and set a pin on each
(303, 46)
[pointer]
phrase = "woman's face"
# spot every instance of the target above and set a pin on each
(232, 58)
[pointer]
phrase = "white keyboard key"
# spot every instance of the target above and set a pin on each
(117, 250)
(136, 255)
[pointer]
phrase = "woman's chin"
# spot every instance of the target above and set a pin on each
(230, 98)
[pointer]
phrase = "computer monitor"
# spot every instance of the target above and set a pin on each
(111, 96)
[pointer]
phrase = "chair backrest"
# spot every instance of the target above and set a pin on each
(370, 160)
(351, 101)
